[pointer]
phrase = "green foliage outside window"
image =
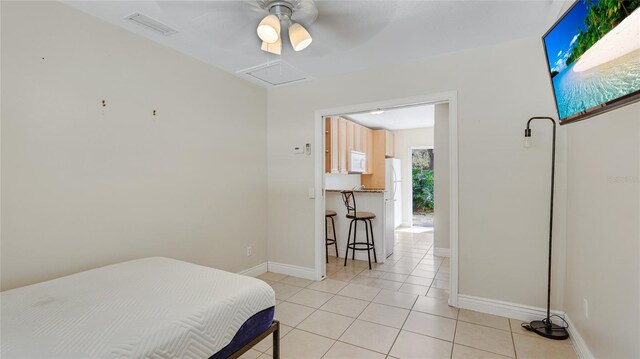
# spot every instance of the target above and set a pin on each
(422, 190)
(422, 176)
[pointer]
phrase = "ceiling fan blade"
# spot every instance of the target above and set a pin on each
(341, 24)
(226, 25)
(306, 12)
(190, 10)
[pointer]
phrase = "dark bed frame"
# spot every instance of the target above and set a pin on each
(275, 329)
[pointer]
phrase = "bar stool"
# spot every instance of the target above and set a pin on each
(329, 214)
(350, 202)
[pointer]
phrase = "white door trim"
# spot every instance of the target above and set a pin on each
(450, 97)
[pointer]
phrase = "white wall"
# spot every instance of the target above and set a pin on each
(441, 223)
(341, 181)
(403, 140)
(503, 187)
(603, 231)
(83, 187)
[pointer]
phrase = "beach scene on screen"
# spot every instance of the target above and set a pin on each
(594, 54)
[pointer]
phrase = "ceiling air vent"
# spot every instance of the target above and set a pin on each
(275, 74)
(151, 24)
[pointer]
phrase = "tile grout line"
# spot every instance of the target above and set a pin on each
(349, 280)
(484, 351)
(403, 324)
(305, 318)
(513, 342)
(354, 320)
(455, 331)
(338, 340)
(370, 302)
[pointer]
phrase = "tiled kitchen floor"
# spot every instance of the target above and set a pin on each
(397, 310)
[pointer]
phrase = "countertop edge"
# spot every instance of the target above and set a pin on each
(358, 190)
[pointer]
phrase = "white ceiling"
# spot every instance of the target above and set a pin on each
(347, 35)
(398, 119)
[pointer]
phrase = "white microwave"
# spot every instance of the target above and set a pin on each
(357, 162)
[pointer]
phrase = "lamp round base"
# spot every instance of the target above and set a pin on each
(556, 332)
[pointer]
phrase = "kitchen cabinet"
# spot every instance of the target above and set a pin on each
(331, 145)
(343, 145)
(381, 147)
(388, 143)
(375, 177)
(369, 150)
(343, 136)
(327, 145)
(351, 130)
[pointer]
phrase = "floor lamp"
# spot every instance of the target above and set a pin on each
(545, 327)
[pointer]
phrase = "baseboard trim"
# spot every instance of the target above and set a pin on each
(526, 313)
(504, 309)
(582, 350)
(442, 252)
(296, 271)
(255, 271)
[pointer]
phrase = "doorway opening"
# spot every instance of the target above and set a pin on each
(410, 264)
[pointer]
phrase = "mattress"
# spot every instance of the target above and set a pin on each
(250, 330)
(147, 308)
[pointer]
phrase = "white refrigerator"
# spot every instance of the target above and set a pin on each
(393, 202)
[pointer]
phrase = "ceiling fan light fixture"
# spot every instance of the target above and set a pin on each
(299, 37)
(269, 29)
(275, 48)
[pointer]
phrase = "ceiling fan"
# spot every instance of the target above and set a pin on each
(230, 26)
(281, 14)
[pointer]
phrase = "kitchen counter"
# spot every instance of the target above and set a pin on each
(357, 190)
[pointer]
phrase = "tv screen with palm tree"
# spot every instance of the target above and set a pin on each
(593, 54)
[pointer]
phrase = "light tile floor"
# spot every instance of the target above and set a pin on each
(397, 310)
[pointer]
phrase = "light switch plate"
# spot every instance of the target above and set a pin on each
(298, 150)
(312, 193)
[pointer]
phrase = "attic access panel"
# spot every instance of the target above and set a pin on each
(275, 74)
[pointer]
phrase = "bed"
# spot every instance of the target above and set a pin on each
(146, 308)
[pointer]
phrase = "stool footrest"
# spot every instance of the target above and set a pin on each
(366, 246)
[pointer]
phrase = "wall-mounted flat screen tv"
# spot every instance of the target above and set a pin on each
(593, 53)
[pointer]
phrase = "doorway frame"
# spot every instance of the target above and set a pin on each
(450, 97)
(410, 174)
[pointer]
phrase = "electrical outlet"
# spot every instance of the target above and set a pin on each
(586, 308)
(248, 251)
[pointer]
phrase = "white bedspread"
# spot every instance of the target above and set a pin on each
(147, 308)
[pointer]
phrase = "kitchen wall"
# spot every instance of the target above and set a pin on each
(603, 231)
(341, 181)
(403, 140)
(85, 186)
(503, 187)
(441, 180)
